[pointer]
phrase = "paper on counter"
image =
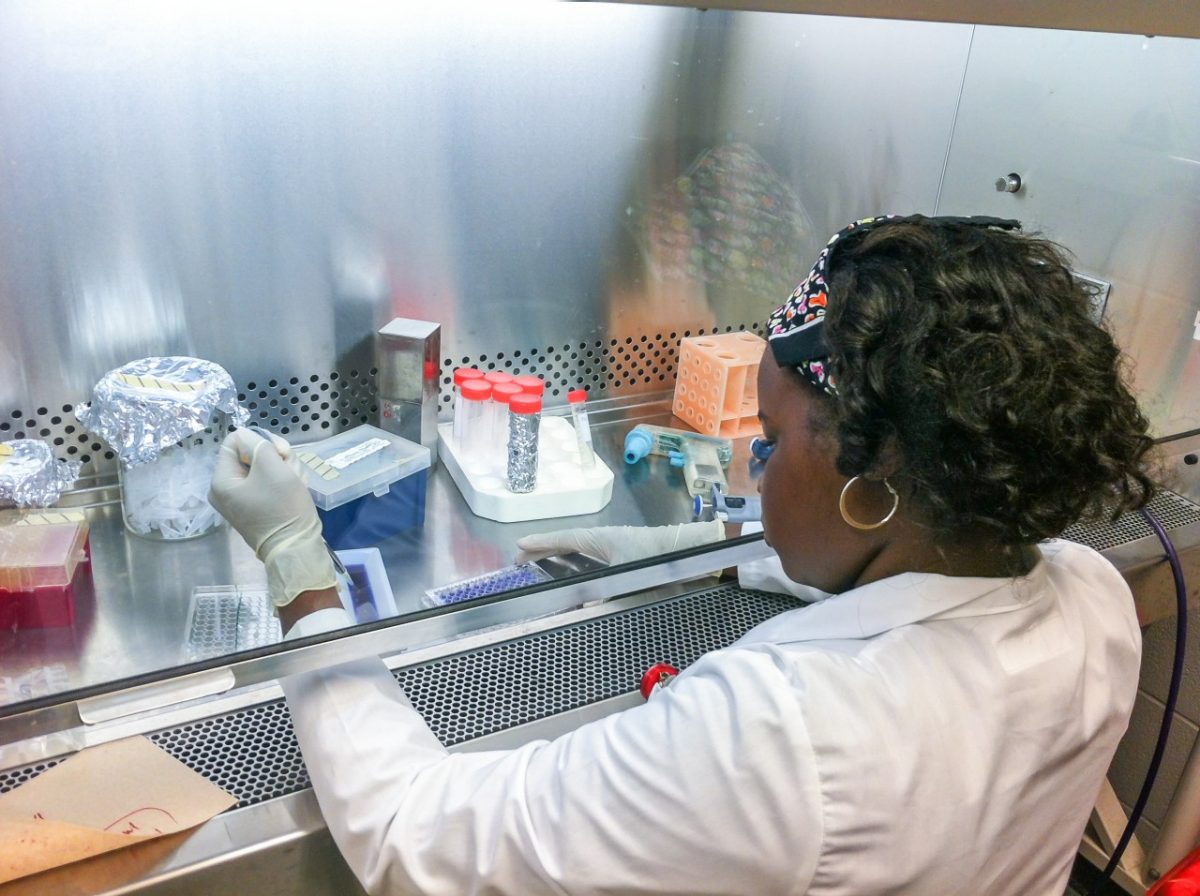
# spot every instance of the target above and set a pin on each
(102, 798)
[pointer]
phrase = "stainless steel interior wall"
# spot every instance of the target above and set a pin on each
(265, 184)
(1104, 130)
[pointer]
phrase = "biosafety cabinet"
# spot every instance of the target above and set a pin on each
(565, 190)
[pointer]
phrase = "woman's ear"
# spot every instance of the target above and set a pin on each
(889, 461)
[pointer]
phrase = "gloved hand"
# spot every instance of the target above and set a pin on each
(620, 544)
(264, 499)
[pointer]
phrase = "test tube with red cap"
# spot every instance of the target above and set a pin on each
(476, 439)
(577, 399)
(461, 375)
(530, 384)
(502, 394)
(495, 377)
(524, 420)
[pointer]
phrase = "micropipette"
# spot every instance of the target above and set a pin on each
(730, 508)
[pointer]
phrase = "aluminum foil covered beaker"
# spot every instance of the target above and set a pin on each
(165, 419)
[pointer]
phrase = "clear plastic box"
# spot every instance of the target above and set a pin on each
(368, 485)
(38, 565)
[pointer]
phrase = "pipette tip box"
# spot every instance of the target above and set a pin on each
(40, 566)
(368, 485)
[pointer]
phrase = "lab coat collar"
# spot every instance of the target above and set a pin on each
(898, 601)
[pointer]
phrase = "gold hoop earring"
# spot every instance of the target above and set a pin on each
(851, 521)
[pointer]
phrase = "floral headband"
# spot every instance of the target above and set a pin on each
(795, 330)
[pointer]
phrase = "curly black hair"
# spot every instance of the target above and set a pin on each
(973, 352)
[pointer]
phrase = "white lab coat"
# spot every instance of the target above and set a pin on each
(918, 735)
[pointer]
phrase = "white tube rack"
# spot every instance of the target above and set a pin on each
(564, 487)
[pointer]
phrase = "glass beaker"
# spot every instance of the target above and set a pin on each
(166, 499)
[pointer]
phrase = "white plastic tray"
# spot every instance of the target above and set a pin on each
(564, 488)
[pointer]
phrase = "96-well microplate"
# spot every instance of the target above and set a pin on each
(506, 579)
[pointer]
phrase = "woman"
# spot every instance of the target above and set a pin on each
(939, 403)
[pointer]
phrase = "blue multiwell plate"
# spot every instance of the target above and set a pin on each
(509, 578)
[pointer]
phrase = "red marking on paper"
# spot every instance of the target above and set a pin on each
(132, 823)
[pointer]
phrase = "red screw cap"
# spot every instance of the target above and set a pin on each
(534, 385)
(504, 392)
(525, 403)
(462, 374)
(476, 390)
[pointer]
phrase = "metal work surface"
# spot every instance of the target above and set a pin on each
(132, 619)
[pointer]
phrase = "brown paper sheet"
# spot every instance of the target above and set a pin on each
(101, 799)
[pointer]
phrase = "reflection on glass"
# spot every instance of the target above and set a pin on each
(730, 220)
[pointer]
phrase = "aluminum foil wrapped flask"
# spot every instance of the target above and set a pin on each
(30, 474)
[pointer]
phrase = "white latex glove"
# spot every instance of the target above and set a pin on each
(263, 498)
(620, 544)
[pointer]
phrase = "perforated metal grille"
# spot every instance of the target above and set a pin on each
(18, 776)
(253, 754)
(569, 667)
(303, 407)
(602, 366)
(1170, 509)
(306, 408)
(58, 426)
